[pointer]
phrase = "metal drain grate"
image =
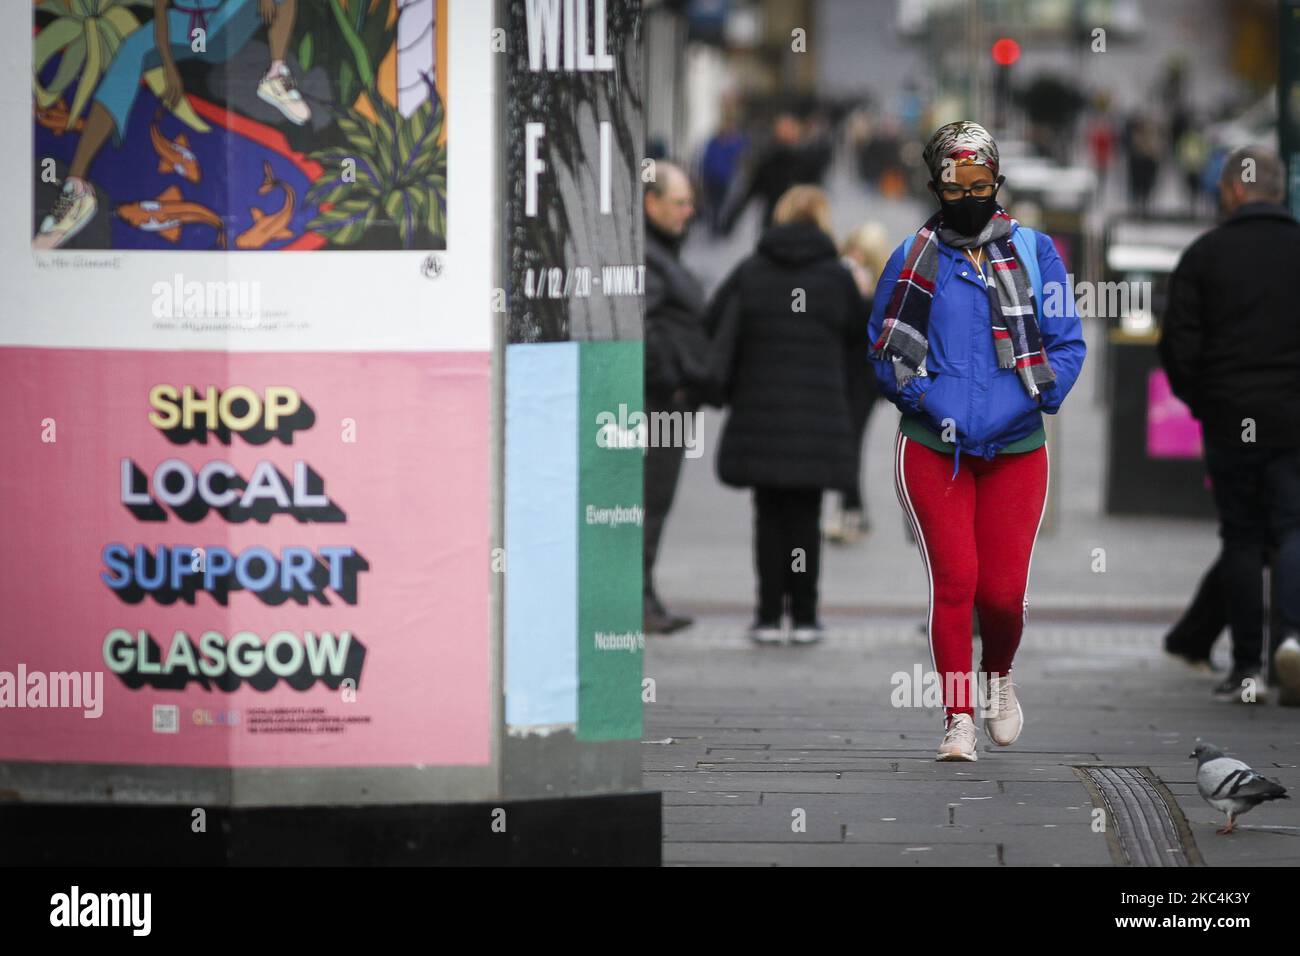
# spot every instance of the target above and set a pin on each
(1143, 822)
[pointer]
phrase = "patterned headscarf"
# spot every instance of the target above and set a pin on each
(963, 142)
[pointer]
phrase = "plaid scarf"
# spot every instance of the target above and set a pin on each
(1012, 310)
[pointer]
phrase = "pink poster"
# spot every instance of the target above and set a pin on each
(262, 559)
(1172, 432)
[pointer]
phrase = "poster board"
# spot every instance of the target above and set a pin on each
(247, 402)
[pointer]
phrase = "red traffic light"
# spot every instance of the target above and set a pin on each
(1006, 51)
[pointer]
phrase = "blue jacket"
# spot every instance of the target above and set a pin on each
(988, 405)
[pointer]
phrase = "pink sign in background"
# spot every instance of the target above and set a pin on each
(1172, 432)
(413, 485)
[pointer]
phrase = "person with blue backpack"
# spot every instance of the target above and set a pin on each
(975, 335)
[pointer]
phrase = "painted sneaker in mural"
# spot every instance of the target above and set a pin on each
(279, 90)
(74, 208)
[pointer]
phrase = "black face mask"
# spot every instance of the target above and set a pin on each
(968, 215)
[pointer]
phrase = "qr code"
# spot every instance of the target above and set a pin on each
(166, 719)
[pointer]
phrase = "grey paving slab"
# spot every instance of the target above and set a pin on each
(771, 814)
(709, 798)
(834, 854)
(1065, 845)
(821, 829)
(982, 813)
(827, 782)
(1044, 793)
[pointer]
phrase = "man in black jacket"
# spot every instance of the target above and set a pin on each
(1231, 347)
(676, 353)
(792, 157)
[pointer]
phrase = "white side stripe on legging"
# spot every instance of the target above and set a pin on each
(904, 499)
(1047, 483)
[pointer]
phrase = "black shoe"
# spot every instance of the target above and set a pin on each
(1196, 660)
(1202, 665)
(664, 623)
(1235, 688)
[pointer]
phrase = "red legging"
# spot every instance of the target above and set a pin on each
(976, 534)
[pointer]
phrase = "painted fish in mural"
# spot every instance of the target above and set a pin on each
(169, 214)
(268, 228)
(55, 118)
(174, 155)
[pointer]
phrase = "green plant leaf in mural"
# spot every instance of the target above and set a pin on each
(365, 70)
(306, 47)
(400, 175)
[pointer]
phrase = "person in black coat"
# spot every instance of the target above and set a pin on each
(791, 319)
(791, 158)
(676, 354)
(1230, 344)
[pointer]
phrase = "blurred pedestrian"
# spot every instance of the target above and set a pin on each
(795, 155)
(794, 319)
(1145, 149)
(1101, 140)
(1230, 344)
(1192, 153)
(972, 352)
(676, 353)
(864, 253)
(720, 165)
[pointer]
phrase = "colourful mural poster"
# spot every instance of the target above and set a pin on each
(239, 124)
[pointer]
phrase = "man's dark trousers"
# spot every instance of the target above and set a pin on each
(1257, 492)
(663, 467)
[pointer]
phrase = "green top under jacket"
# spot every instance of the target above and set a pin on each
(914, 428)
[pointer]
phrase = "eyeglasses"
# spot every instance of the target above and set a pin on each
(953, 192)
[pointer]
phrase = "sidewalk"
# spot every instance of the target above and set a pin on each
(740, 738)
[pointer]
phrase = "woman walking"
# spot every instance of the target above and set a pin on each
(793, 320)
(864, 253)
(976, 335)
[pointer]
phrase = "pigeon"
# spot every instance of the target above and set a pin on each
(1231, 786)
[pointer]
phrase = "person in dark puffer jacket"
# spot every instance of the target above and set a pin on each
(799, 347)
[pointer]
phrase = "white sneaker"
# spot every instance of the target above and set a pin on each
(766, 635)
(74, 208)
(807, 634)
(959, 739)
(278, 89)
(1005, 718)
(1287, 664)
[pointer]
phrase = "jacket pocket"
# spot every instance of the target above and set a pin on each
(944, 405)
(1010, 412)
